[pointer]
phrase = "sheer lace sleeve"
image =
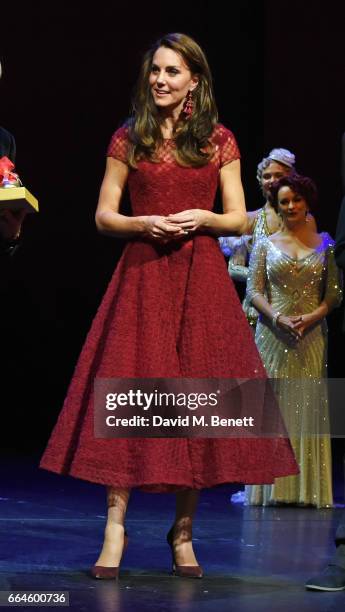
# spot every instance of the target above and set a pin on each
(334, 280)
(257, 277)
(228, 147)
(118, 145)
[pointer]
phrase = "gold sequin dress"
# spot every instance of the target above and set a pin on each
(243, 248)
(296, 287)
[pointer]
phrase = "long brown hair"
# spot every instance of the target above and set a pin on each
(191, 135)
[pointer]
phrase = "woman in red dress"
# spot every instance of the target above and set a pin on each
(170, 309)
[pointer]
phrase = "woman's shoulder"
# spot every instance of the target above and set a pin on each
(273, 238)
(221, 133)
(118, 145)
(253, 216)
(121, 132)
(326, 241)
(225, 142)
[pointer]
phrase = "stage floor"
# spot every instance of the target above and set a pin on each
(254, 559)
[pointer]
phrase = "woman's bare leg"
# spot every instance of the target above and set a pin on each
(117, 500)
(186, 504)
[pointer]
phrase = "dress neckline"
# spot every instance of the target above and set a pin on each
(322, 246)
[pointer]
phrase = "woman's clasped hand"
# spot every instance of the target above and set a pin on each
(176, 226)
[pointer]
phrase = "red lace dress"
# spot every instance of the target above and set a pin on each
(167, 312)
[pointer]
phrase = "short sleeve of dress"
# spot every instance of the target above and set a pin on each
(118, 146)
(227, 144)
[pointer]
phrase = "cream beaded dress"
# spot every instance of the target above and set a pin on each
(242, 248)
(293, 287)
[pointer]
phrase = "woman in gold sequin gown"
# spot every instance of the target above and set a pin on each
(261, 222)
(294, 282)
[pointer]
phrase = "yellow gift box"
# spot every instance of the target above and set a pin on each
(17, 198)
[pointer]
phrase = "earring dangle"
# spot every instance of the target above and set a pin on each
(188, 105)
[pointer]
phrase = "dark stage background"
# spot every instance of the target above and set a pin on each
(68, 76)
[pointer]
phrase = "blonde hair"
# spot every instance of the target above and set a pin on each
(283, 157)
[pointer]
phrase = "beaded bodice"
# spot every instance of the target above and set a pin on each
(294, 286)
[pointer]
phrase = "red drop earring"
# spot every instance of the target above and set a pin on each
(188, 105)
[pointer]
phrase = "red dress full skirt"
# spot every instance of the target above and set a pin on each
(165, 315)
(169, 311)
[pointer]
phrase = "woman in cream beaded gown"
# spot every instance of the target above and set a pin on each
(294, 283)
(261, 222)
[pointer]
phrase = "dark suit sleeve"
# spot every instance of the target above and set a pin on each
(7, 145)
(8, 247)
(340, 238)
(8, 148)
(343, 163)
(12, 149)
(340, 259)
(340, 234)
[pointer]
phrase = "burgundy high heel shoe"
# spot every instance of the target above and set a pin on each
(183, 571)
(108, 573)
